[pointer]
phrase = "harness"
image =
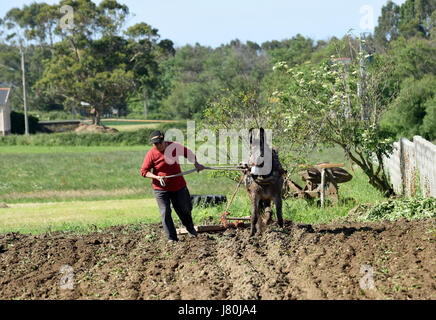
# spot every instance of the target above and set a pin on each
(264, 180)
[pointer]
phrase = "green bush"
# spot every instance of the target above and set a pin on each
(18, 125)
(413, 208)
(54, 115)
(123, 138)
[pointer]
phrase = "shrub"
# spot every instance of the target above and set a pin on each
(18, 125)
(124, 138)
(413, 208)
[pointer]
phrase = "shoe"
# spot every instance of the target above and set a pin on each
(193, 233)
(170, 241)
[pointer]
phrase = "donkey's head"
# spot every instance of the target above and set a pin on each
(260, 154)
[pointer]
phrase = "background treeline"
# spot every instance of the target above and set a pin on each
(107, 65)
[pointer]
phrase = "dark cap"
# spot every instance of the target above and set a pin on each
(156, 136)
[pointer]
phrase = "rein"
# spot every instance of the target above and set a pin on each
(162, 179)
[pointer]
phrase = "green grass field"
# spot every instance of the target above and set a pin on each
(78, 188)
(57, 216)
(74, 173)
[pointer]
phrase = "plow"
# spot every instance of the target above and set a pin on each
(322, 181)
(226, 221)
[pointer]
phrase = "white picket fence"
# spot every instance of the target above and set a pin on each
(410, 161)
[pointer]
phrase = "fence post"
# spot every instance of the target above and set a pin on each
(408, 167)
(322, 196)
(425, 157)
(409, 158)
(402, 168)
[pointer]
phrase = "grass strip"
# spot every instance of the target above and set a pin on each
(38, 218)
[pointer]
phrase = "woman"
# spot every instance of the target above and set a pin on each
(161, 161)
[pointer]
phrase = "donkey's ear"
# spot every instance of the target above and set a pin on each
(262, 141)
(262, 136)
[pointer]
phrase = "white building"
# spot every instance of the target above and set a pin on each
(5, 112)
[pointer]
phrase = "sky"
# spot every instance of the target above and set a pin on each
(216, 22)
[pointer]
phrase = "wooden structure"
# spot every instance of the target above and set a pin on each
(226, 221)
(322, 181)
(215, 228)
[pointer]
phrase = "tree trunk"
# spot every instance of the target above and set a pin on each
(379, 182)
(95, 114)
(97, 118)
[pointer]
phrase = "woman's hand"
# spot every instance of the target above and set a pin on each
(198, 166)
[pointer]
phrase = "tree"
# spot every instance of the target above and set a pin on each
(413, 57)
(98, 77)
(413, 80)
(94, 63)
(293, 51)
(343, 48)
(148, 56)
(415, 16)
(412, 112)
(387, 28)
(30, 29)
(321, 106)
(432, 26)
(201, 73)
(38, 21)
(429, 122)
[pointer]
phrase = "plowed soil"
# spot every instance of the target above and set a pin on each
(381, 260)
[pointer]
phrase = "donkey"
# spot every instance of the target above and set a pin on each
(264, 181)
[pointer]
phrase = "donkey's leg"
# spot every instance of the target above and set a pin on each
(268, 211)
(278, 203)
(255, 211)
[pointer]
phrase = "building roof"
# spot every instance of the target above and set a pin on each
(4, 95)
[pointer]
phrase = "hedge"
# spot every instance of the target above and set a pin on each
(124, 138)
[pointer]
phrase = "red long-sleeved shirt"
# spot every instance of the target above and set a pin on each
(166, 163)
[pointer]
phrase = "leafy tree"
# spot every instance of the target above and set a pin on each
(432, 26)
(202, 72)
(342, 48)
(412, 112)
(387, 28)
(293, 51)
(413, 79)
(413, 57)
(136, 52)
(415, 16)
(428, 128)
(247, 108)
(98, 77)
(38, 20)
(10, 73)
(189, 85)
(89, 70)
(148, 57)
(321, 106)
(26, 31)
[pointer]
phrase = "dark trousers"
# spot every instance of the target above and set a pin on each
(181, 201)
